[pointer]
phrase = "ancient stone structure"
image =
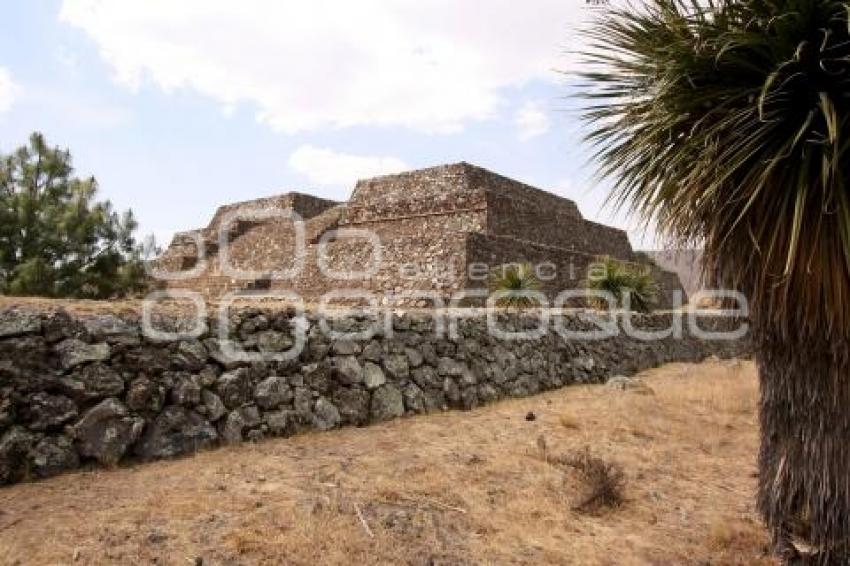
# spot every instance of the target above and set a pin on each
(438, 230)
(97, 390)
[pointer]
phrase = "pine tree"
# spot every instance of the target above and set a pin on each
(55, 239)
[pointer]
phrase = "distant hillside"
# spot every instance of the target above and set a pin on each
(687, 264)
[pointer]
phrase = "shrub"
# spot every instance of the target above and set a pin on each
(516, 280)
(621, 279)
(604, 481)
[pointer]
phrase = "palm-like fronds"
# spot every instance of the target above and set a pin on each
(727, 123)
(515, 281)
(620, 280)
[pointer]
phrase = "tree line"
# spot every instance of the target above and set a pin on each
(56, 239)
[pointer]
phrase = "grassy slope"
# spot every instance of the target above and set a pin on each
(452, 488)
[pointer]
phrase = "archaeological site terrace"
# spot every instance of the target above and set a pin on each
(408, 238)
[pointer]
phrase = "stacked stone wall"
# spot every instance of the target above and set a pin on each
(438, 190)
(79, 391)
(598, 239)
(498, 185)
(307, 206)
(437, 266)
(567, 268)
(544, 224)
(254, 242)
(432, 225)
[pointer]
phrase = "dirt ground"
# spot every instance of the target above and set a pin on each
(481, 487)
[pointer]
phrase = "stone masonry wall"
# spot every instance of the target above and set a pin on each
(79, 391)
(570, 267)
(432, 224)
(436, 190)
(509, 217)
(254, 245)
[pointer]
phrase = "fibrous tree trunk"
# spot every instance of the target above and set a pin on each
(804, 460)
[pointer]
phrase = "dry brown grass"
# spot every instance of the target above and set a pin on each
(75, 306)
(452, 488)
(130, 307)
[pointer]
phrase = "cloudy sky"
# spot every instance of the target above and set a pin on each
(178, 107)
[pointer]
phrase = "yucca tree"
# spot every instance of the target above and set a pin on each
(726, 122)
(620, 279)
(516, 281)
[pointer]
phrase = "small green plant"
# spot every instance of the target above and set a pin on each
(620, 279)
(515, 281)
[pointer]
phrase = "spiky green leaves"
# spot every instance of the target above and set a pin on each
(515, 284)
(626, 284)
(727, 123)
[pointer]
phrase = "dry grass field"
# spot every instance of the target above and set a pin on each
(482, 487)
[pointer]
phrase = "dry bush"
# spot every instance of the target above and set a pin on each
(604, 481)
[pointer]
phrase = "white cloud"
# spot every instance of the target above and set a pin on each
(531, 120)
(329, 168)
(307, 64)
(9, 90)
